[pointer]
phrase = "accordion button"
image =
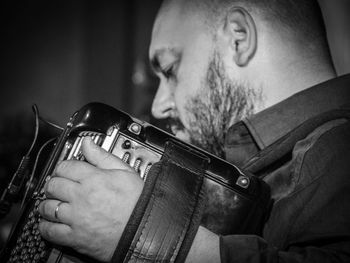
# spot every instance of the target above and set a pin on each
(148, 167)
(243, 182)
(137, 165)
(126, 144)
(135, 128)
(126, 157)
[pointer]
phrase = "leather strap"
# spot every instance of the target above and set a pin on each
(168, 223)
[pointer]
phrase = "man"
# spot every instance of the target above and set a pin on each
(220, 62)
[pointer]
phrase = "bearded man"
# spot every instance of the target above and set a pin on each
(253, 82)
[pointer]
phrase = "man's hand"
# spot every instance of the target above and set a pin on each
(98, 198)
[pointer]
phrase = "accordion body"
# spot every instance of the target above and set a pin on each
(236, 203)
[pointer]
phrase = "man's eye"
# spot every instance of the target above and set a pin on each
(168, 73)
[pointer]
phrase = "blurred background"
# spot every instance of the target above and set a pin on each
(63, 54)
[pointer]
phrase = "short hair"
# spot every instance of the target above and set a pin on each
(299, 18)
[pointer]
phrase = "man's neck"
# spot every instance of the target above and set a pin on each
(285, 67)
(292, 83)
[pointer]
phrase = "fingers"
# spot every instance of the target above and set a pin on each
(60, 188)
(100, 157)
(95, 155)
(55, 211)
(55, 232)
(74, 170)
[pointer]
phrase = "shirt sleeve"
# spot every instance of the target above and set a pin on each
(254, 249)
(311, 224)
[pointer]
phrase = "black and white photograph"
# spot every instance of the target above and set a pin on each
(175, 131)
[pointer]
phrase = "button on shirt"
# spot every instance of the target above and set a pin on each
(301, 148)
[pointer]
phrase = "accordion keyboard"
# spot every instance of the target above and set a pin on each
(129, 150)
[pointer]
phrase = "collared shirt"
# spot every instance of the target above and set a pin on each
(301, 148)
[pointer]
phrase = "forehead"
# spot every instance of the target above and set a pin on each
(174, 30)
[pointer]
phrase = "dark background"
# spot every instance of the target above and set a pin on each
(63, 54)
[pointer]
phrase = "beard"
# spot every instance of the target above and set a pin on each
(220, 103)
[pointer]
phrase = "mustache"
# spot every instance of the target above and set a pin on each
(174, 124)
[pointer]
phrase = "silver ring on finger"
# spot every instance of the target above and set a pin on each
(56, 210)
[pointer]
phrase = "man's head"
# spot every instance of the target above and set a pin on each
(220, 61)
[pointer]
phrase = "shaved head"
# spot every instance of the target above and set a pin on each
(301, 19)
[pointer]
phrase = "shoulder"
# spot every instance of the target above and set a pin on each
(325, 151)
(322, 188)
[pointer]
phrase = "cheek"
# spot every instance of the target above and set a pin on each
(184, 96)
(191, 77)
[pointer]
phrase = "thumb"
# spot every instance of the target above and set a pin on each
(100, 158)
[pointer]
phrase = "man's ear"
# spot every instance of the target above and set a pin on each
(242, 35)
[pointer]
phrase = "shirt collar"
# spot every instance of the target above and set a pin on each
(271, 124)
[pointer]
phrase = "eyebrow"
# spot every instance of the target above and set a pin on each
(155, 60)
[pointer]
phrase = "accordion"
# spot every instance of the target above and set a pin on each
(236, 202)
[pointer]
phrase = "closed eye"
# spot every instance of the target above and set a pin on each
(168, 73)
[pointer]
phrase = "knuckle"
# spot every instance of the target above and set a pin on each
(62, 167)
(50, 186)
(70, 191)
(49, 233)
(44, 209)
(45, 230)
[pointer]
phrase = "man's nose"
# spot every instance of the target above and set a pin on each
(163, 103)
